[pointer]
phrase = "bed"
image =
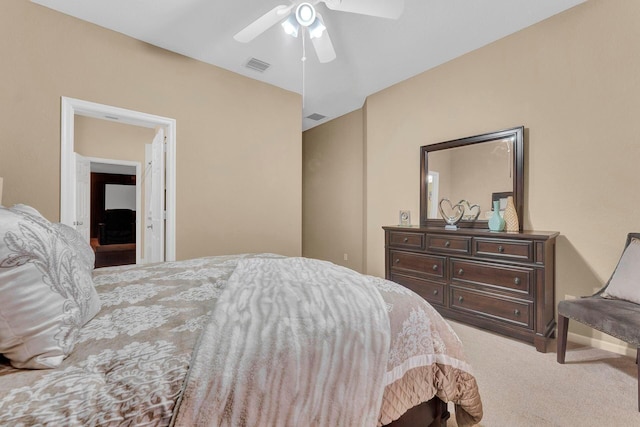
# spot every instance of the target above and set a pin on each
(253, 339)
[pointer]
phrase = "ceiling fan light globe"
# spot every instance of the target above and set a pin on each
(316, 29)
(290, 26)
(305, 14)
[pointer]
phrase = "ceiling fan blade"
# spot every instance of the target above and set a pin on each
(381, 8)
(263, 23)
(323, 46)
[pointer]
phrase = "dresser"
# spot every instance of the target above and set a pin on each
(498, 281)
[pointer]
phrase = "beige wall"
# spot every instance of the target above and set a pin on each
(574, 82)
(111, 140)
(332, 203)
(238, 140)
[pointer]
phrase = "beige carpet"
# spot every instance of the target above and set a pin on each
(521, 387)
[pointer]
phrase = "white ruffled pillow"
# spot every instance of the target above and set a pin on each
(625, 282)
(46, 291)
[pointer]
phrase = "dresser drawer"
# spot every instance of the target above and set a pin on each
(406, 240)
(422, 265)
(431, 291)
(486, 305)
(449, 244)
(512, 279)
(505, 249)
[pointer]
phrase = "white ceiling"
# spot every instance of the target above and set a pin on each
(372, 53)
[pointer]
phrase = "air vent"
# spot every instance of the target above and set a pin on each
(316, 116)
(256, 64)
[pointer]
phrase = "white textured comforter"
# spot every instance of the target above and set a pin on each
(292, 342)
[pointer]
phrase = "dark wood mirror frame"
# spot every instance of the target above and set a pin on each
(516, 133)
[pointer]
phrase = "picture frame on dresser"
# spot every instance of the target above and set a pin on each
(501, 198)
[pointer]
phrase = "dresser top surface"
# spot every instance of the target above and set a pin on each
(476, 232)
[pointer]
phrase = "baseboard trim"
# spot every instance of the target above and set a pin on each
(602, 345)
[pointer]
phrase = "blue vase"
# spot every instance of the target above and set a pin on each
(496, 222)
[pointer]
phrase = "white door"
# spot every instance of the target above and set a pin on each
(83, 196)
(154, 200)
(433, 186)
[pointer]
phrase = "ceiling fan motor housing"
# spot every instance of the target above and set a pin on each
(305, 14)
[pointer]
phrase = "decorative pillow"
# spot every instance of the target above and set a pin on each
(46, 293)
(74, 238)
(26, 209)
(625, 282)
(81, 248)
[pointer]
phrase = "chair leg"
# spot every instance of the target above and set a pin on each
(563, 326)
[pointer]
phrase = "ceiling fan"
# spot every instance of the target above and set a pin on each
(301, 16)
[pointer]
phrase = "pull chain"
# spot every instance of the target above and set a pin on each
(304, 60)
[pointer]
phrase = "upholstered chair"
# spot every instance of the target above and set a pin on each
(614, 310)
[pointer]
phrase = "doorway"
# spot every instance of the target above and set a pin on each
(71, 107)
(115, 224)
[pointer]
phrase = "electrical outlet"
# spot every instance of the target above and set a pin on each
(569, 297)
(346, 257)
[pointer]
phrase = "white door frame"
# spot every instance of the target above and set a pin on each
(70, 107)
(138, 167)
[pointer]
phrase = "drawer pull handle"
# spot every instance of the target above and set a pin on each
(435, 292)
(517, 280)
(406, 239)
(460, 299)
(516, 312)
(397, 261)
(500, 249)
(435, 267)
(460, 272)
(447, 244)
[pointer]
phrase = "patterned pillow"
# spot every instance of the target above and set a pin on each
(80, 247)
(83, 249)
(625, 282)
(46, 292)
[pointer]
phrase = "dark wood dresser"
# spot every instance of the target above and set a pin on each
(499, 281)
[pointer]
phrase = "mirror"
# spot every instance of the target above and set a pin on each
(478, 170)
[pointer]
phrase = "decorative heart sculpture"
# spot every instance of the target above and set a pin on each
(468, 210)
(451, 217)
